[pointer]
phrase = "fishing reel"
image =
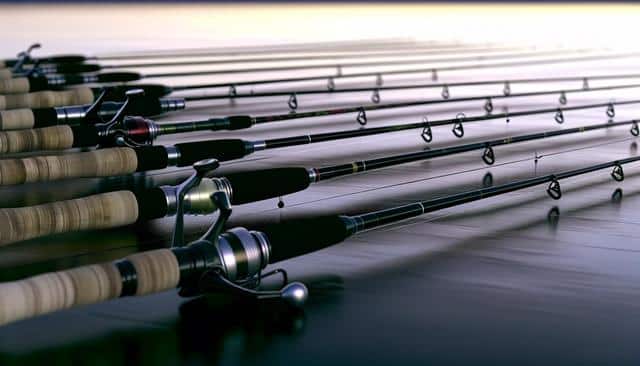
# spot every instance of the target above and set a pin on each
(123, 129)
(238, 255)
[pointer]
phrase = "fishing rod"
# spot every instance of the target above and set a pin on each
(25, 57)
(375, 90)
(240, 188)
(361, 116)
(147, 106)
(233, 260)
(40, 81)
(139, 132)
(102, 106)
(77, 68)
(434, 71)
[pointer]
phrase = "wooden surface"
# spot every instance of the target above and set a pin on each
(518, 279)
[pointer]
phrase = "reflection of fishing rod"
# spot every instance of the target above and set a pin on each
(356, 46)
(241, 187)
(232, 260)
(232, 86)
(221, 317)
(138, 132)
(51, 81)
(80, 68)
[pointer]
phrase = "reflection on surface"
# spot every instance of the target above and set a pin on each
(616, 196)
(553, 216)
(209, 329)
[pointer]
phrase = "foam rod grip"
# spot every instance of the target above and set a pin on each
(39, 139)
(156, 271)
(14, 85)
(47, 99)
(17, 119)
(99, 211)
(99, 163)
(260, 185)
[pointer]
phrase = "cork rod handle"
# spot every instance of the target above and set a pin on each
(14, 85)
(99, 163)
(98, 211)
(5, 73)
(156, 271)
(47, 99)
(17, 119)
(39, 139)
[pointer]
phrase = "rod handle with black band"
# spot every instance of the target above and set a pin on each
(46, 99)
(155, 271)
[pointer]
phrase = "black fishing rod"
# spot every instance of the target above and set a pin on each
(149, 105)
(234, 260)
(138, 131)
(361, 110)
(38, 81)
(25, 57)
(275, 182)
(80, 68)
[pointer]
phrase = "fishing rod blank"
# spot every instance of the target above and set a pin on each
(139, 131)
(41, 81)
(232, 260)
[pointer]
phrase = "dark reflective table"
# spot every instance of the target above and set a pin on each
(517, 279)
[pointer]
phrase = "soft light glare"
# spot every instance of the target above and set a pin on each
(197, 25)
